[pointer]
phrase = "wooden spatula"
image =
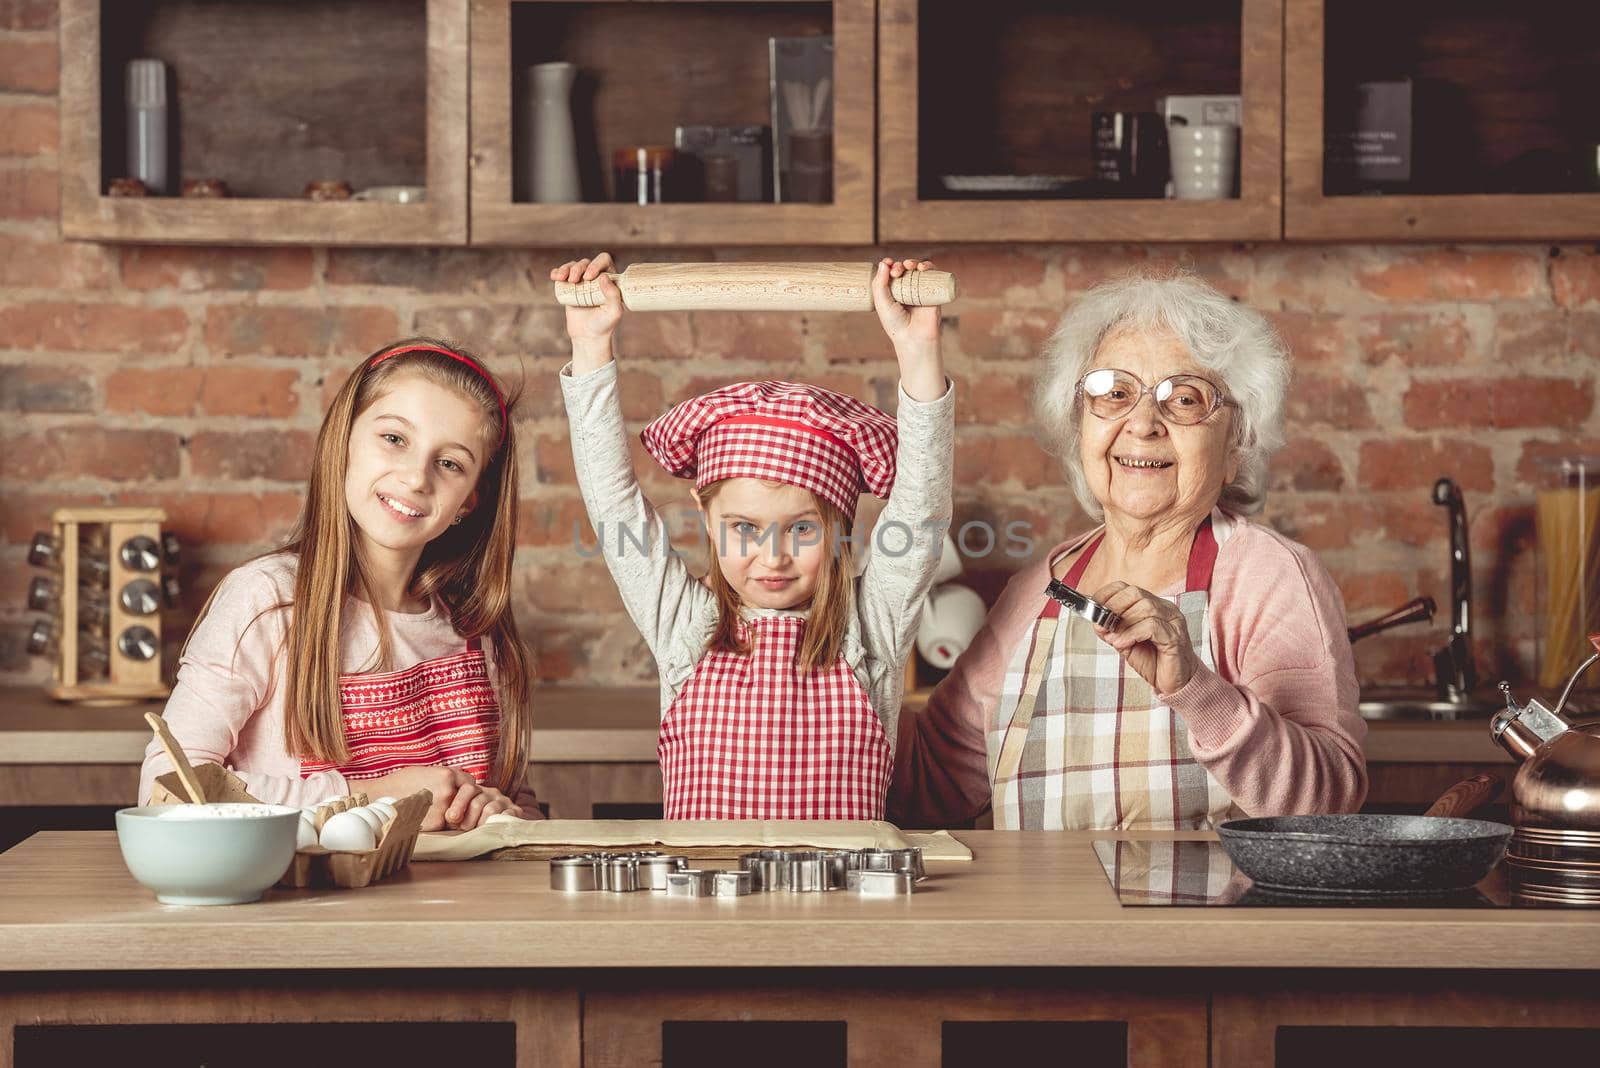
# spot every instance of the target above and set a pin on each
(186, 774)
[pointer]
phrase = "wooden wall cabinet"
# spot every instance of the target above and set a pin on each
(269, 97)
(645, 69)
(1502, 119)
(1011, 89)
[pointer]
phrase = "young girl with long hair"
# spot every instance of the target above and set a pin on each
(377, 649)
(781, 673)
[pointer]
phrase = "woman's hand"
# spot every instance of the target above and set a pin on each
(459, 802)
(913, 331)
(1153, 637)
(591, 328)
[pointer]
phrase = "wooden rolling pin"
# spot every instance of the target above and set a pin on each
(758, 287)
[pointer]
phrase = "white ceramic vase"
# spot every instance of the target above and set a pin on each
(552, 151)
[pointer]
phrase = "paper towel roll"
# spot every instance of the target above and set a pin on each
(951, 618)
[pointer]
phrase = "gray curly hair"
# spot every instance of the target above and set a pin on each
(1228, 338)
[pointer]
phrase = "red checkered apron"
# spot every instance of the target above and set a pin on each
(439, 712)
(755, 738)
(1081, 741)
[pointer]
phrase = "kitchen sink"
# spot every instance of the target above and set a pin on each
(1425, 705)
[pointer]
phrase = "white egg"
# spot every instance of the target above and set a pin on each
(373, 819)
(386, 800)
(346, 830)
(384, 809)
(305, 835)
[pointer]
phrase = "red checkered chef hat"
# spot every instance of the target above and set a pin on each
(833, 445)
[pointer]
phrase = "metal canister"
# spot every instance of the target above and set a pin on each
(580, 871)
(731, 883)
(691, 882)
(881, 883)
(654, 869)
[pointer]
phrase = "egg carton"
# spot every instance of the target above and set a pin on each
(315, 866)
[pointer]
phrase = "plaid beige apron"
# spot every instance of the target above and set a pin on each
(1079, 739)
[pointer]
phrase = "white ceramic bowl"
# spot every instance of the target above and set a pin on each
(227, 856)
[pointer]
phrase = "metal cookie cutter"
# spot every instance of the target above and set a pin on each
(653, 870)
(881, 883)
(621, 874)
(691, 882)
(1082, 605)
(578, 871)
(731, 883)
(767, 868)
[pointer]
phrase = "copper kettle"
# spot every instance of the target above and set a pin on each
(1558, 785)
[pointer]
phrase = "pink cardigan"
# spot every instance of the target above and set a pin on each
(1275, 723)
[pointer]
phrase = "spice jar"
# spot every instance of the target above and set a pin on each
(811, 165)
(644, 174)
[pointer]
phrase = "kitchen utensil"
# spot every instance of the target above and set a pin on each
(228, 858)
(577, 872)
(731, 883)
(881, 883)
(1554, 856)
(1130, 152)
(692, 882)
(757, 287)
(1083, 605)
(951, 617)
(180, 761)
(1357, 853)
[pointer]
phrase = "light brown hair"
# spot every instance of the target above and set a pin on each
(468, 567)
(831, 604)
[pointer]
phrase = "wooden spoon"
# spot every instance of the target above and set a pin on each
(186, 774)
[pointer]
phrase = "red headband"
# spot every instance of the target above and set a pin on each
(459, 359)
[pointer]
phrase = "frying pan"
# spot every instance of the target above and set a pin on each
(1358, 853)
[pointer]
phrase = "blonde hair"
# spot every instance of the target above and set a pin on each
(468, 567)
(831, 604)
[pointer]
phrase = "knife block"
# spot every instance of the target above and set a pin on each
(128, 678)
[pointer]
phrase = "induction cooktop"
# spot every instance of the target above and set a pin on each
(1200, 874)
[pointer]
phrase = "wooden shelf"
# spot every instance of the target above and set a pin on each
(269, 97)
(1023, 99)
(1497, 84)
(645, 69)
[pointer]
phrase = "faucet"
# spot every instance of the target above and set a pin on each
(1416, 610)
(1455, 675)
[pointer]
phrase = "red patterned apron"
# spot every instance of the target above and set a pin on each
(753, 737)
(439, 712)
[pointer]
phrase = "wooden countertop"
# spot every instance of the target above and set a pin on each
(581, 725)
(1027, 899)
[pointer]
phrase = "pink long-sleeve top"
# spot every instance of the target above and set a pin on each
(1275, 722)
(228, 706)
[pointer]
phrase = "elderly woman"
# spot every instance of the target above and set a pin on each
(1228, 686)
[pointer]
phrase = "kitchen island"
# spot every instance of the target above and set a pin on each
(1027, 932)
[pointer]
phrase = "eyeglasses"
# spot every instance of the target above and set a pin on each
(1181, 399)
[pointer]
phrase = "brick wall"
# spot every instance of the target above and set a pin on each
(195, 379)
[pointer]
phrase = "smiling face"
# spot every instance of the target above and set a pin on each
(1139, 467)
(769, 539)
(415, 456)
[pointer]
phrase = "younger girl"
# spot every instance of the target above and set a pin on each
(781, 675)
(378, 646)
